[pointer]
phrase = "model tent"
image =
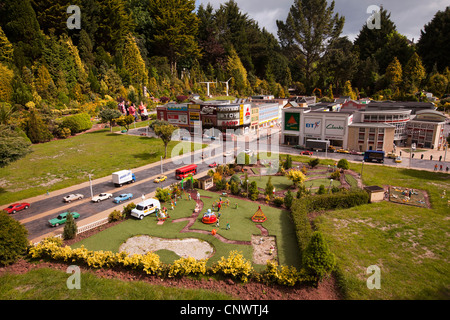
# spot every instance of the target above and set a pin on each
(259, 216)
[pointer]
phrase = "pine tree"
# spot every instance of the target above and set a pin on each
(175, 30)
(348, 91)
(6, 78)
(414, 71)
(310, 26)
(318, 259)
(44, 83)
(133, 63)
(236, 70)
(70, 228)
(6, 48)
(394, 73)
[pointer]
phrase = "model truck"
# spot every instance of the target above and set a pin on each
(373, 155)
(317, 144)
(121, 177)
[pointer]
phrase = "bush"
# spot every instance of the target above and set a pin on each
(162, 195)
(314, 162)
(288, 198)
(64, 133)
(336, 175)
(13, 239)
(278, 201)
(77, 123)
(343, 164)
(318, 259)
(70, 228)
(253, 191)
(116, 215)
(187, 266)
(126, 212)
(235, 266)
(235, 187)
(321, 189)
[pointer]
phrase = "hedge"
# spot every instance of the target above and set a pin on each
(301, 208)
(77, 123)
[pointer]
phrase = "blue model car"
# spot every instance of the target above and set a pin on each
(123, 197)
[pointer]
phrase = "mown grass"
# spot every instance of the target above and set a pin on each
(49, 284)
(409, 244)
(63, 163)
(278, 224)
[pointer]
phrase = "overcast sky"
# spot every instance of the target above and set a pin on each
(409, 16)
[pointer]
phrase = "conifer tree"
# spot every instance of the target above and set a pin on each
(133, 63)
(318, 259)
(6, 78)
(394, 73)
(6, 48)
(236, 70)
(414, 71)
(176, 26)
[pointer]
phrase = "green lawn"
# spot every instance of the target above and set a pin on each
(278, 224)
(62, 163)
(409, 244)
(50, 284)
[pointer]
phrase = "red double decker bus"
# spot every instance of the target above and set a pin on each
(185, 171)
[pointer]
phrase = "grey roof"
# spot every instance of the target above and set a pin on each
(371, 125)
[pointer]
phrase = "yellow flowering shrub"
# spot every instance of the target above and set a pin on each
(235, 265)
(186, 266)
(151, 263)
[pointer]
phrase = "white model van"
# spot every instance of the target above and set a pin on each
(145, 208)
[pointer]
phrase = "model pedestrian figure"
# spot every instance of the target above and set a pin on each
(228, 226)
(431, 157)
(446, 169)
(435, 167)
(440, 158)
(219, 206)
(421, 156)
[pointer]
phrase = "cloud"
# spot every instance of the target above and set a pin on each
(409, 16)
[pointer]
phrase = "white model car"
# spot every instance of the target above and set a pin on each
(228, 154)
(72, 197)
(101, 197)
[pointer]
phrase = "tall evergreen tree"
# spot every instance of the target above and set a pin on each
(394, 73)
(414, 72)
(6, 48)
(133, 63)
(309, 28)
(433, 45)
(176, 25)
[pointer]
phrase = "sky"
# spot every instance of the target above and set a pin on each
(409, 16)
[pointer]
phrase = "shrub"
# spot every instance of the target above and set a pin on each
(288, 198)
(253, 191)
(321, 189)
(116, 215)
(70, 228)
(64, 133)
(77, 123)
(126, 212)
(187, 266)
(13, 239)
(162, 195)
(343, 164)
(235, 266)
(278, 201)
(318, 259)
(314, 162)
(336, 175)
(235, 187)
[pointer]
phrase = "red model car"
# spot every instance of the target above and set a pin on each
(307, 153)
(212, 165)
(17, 207)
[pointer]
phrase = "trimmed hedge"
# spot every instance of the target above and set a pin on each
(301, 207)
(77, 123)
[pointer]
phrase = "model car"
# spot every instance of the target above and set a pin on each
(342, 151)
(307, 153)
(101, 197)
(16, 207)
(398, 159)
(391, 155)
(72, 197)
(212, 165)
(228, 154)
(123, 197)
(160, 179)
(62, 218)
